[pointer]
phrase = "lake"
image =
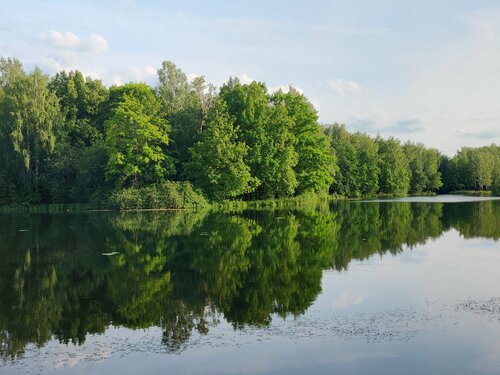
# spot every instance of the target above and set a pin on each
(407, 286)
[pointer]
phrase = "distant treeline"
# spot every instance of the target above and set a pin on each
(70, 139)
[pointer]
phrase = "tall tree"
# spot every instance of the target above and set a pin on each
(316, 166)
(249, 104)
(217, 164)
(414, 153)
(266, 129)
(394, 170)
(347, 180)
(29, 116)
(432, 160)
(279, 157)
(185, 105)
(136, 137)
(368, 168)
(82, 100)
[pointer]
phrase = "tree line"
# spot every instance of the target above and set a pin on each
(69, 138)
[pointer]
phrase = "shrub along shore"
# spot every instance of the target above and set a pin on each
(69, 139)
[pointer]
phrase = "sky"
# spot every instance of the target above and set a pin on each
(425, 71)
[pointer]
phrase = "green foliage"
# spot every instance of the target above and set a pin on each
(495, 189)
(347, 181)
(90, 168)
(471, 169)
(279, 157)
(394, 170)
(248, 104)
(29, 117)
(316, 166)
(368, 169)
(70, 139)
(424, 168)
(81, 100)
(358, 162)
(217, 163)
(185, 105)
(162, 195)
(267, 129)
(137, 137)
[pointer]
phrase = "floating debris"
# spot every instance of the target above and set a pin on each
(109, 254)
(489, 308)
(204, 234)
(23, 230)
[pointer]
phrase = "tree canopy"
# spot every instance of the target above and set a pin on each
(137, 137)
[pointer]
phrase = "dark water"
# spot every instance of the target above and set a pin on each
(375, 287)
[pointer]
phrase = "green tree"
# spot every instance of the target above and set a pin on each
(265, 128)
(394, 170)
(415, 156)
(483, 162)
(185, 105)
(279, 156)
(496, 183)
(136, 137)
(432, 160)
(249, 104)
(81, 99)
(29, 117)
(347, 180)
(316, 166)
(368, 168)
(217, 164)
(471, 168)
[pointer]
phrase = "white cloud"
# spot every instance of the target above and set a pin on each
(69, 41)
(245, 79)
(344, 87)
(150, 70)
(66, 40)
(96, 44)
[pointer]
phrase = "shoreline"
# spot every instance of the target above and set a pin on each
(233, 205)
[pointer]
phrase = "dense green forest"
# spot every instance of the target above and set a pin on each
(71, 139)
(183, 271)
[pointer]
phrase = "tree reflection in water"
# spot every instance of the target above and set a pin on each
(183, 271)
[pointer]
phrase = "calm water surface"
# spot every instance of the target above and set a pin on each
(392, 287)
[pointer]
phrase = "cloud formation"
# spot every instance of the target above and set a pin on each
(69, 41)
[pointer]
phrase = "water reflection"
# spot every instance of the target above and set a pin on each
(184, 271)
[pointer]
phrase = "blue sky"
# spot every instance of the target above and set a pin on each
(428, 71)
